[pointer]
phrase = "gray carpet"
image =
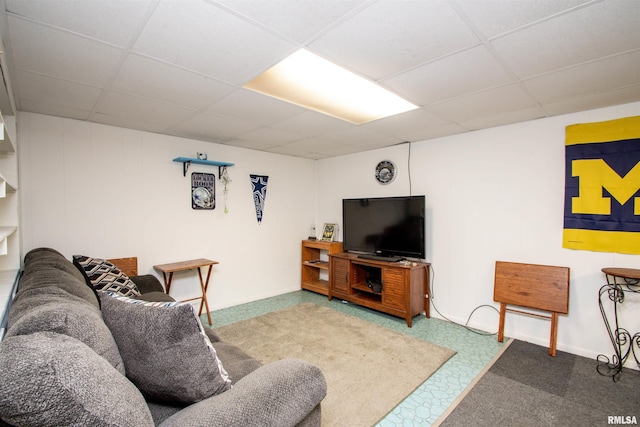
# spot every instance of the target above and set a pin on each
(527, 387)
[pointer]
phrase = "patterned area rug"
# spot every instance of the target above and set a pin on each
(369, 368)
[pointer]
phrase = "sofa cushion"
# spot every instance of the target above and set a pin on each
(47, 257)
(105, 276)
(29, 299)
(79, 321)
(235, 361)
(147, 283)
(51, 379)
(47, 276)
(155, 297)
(164, 348)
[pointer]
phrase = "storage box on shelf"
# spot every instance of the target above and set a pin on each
(315, 264)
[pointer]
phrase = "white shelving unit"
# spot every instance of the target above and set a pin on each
(8, 222)
(5, 232)
(6, 187)
(6, 145)
(10, 260)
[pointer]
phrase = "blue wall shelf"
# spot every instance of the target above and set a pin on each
(186, 162)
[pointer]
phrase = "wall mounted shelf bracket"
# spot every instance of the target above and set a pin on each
(186, 162)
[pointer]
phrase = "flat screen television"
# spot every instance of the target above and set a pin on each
(392, 227)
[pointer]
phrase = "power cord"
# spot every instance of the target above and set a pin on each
(432, 275)
(409, 168)
(466, 325)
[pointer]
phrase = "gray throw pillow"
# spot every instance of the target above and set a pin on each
(80, 321)
(104, 276)
(50, 379)
(165, 351)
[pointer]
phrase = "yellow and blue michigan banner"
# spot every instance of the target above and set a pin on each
(602, 186)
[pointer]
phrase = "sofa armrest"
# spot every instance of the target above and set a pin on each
(278, 394)
(147, 283)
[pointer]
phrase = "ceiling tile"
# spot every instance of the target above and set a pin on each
(311, 123)
(176, 66)
(128, 122)
(621, 71)
(46, 95)
(59, 54)
(450, 77)
(151, 115)
(201, 37)
(296, 19)
(252, 144)
(268, 137)
(152, 79)
(112, 21)
(416, 125)
(291, 151)
(505, 117)
(391, 36)
(483, 104)
(254, 107)
(494, 17)
(560, 42)
(316, 148)
(208, 126)
(359, 136)
(598, 100)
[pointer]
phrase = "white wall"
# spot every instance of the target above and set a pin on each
(491, 195)
(110, 192)
(495, 194)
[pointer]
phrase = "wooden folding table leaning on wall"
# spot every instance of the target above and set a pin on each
(194, 264)
(540, 287)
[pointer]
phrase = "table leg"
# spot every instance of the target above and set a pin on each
(167, 281)
(427, 293)
(619, 337)
(203, 288)
(554, 334)
(503, 312)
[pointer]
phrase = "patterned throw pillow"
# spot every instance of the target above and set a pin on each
(165, 350)
(105, 276)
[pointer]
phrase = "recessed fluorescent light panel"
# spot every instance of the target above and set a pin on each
(312, 82)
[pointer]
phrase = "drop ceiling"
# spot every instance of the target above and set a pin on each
(177, 67)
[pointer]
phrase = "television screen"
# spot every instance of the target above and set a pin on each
(385, 226)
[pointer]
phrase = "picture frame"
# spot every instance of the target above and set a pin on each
(329, 232)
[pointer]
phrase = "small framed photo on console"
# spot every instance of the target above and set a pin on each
(328, 232)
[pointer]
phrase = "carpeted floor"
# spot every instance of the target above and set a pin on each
(527, 387)
(369, 368)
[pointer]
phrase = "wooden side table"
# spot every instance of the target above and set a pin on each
(194, 264)
(532, 286)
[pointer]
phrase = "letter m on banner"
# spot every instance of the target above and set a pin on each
(602, 186)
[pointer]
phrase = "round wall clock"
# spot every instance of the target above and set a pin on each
(385, 172)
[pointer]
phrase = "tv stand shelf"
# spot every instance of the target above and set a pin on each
(405, 285)
(314, 262)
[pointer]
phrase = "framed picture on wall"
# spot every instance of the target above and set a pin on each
(328, 232)
(203, 191)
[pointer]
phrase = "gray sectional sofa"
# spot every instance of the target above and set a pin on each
(73, 356)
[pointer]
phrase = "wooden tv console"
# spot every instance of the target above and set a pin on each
(405, 286)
